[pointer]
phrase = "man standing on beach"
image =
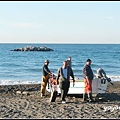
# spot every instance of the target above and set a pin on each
(63, 78)
(88, 77)
(46, 74)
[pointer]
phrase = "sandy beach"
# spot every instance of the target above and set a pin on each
(24, 101)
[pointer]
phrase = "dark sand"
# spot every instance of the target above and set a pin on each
(24, 101)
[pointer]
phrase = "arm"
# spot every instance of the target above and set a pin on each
(71, 74)
(87, 80)
(87, 74)
(58, 75)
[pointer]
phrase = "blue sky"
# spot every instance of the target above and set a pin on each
(60, 22)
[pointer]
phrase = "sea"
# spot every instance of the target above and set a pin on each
(25, 67)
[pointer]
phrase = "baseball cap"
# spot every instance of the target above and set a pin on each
(88, 60)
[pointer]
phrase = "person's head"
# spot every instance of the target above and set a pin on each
(69, 58)
(64, 64)
(46, 62)
(99, 69)
(88, 62)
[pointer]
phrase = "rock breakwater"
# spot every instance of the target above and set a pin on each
(32, 48)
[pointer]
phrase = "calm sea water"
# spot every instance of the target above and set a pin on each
(18, 67)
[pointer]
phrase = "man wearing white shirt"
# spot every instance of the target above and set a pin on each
(63, 78)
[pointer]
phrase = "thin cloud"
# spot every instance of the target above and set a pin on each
(26, 25)
(110, 18)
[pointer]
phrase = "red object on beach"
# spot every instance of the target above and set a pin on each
(53, 86)
(88, 87)
(53, 82)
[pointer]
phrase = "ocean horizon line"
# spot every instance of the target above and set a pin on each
(64, 43)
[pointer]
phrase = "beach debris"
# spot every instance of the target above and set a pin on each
(18, 92)
(32, 48)
(25, 93)
(97, 99)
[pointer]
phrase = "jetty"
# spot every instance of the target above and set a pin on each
(32, 48)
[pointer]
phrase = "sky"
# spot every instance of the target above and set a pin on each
(76, 22)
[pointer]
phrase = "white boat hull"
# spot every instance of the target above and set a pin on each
(78, 88)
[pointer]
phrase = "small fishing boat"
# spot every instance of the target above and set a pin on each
(78, 88)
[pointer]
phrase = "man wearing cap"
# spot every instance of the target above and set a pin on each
(46, 74)
(88, 77)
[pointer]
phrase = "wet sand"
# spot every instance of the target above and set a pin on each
(24, 101)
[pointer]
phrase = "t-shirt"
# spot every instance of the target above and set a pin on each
(64, 72)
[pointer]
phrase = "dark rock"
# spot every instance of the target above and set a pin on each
(32, 48)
